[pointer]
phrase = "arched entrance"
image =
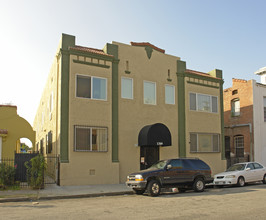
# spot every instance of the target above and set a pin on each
(150, 138)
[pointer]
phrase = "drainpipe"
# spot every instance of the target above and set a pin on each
(0, 149)
(250, 131)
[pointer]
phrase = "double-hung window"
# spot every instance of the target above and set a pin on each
(90, 139)
(149, 93)
(239, 145)
(127, 88)
(91, 87)
(203, 103)
(202, 142)
(169, 94)
(235, 107)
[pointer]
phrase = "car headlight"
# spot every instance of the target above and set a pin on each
(230, 176)
(139, 178)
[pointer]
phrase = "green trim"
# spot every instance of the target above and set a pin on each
(91, 64)
(113, 49)
(202, 84)
(195, 76)
(169, 80)
(67, 40)
(181, 67)
(149, 51)
(127, 72)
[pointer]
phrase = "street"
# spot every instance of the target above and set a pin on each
(215, 203)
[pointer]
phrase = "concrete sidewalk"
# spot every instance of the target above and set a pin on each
(53, 191)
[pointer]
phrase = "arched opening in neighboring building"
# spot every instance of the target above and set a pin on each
(24, 145)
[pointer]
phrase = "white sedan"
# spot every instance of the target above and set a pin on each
(241, 173)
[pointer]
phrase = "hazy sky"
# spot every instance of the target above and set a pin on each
(224, 34)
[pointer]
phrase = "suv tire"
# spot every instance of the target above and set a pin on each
(154, 188)
(139, 191)
(199, 185)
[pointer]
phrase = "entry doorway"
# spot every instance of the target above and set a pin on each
(148, 156)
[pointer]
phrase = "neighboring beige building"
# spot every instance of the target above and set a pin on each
(107, 113)
(12, 128)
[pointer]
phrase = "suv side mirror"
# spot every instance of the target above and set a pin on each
(169, 166)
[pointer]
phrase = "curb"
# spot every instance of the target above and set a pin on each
(24, 199)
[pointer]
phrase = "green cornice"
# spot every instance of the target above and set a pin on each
(91, 64)
(113, 49)
(202, 84)
(90, 55)
(181, 67)
(67, 41)
(195, 76)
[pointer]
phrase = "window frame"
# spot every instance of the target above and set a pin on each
(91, 86)
(91, 138)
(212, 141)
(132, 84)
(155, 90)
(165, 94)
(236, 146)
(233, 109)
(197, 106)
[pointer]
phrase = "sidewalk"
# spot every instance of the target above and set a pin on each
(53, 191)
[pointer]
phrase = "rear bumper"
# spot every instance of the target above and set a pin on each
(136, 184)
(209, 180)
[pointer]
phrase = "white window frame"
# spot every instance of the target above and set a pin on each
(165, 93)
(132, 81)
(212, 134)
(155, 89)
(197, 107)
(89, 127)
(91, 98)
(233, 107)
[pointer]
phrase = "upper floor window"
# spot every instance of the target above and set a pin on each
(149, 93)
(91, 87)
(90, 138)
(235, 107)
(169, 94)
(127, 88)
(201, 102)
(234, 92)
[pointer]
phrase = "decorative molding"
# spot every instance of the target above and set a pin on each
(91, 64)
(202, 84)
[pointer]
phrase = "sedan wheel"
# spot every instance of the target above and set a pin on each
(241, 181)
(154, 188)
(264, 179)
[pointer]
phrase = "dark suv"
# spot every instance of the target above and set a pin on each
(183, 173)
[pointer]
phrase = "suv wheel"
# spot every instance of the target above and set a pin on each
(154, 188)
(139, 191)
(198, 185)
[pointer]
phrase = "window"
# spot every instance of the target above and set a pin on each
(204, 103)
(169, 94)
(90, 139)
(264, 104)
(127, 88)
(49, 142)
(235, 107)
(150, 93)
(91, 87)
(234, 92)
(239, 145)
(200, 142)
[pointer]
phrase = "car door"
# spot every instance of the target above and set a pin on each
(174, 174)
(249, 174)
(259, 172)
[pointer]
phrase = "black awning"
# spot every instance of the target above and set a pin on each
(155, 135)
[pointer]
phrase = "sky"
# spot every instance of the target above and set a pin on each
(208, 34)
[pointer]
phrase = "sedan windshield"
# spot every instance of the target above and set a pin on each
(159, 165)
(236, 167)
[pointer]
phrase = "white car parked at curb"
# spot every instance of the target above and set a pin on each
(240, 174)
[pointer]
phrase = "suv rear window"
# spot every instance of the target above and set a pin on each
(199, 164)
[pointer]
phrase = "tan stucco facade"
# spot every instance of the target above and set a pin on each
(14, 127)
(122, 117)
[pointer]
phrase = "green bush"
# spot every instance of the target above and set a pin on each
(7, 175)
(35, 172)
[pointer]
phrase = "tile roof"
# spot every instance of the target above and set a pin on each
(143, 44)
(199, 73)
(90, 50)
(12, 106)
(3, 131)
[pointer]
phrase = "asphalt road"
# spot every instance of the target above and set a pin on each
(223, 203)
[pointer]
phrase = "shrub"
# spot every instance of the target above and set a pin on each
(7, 175)
(35, 172)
